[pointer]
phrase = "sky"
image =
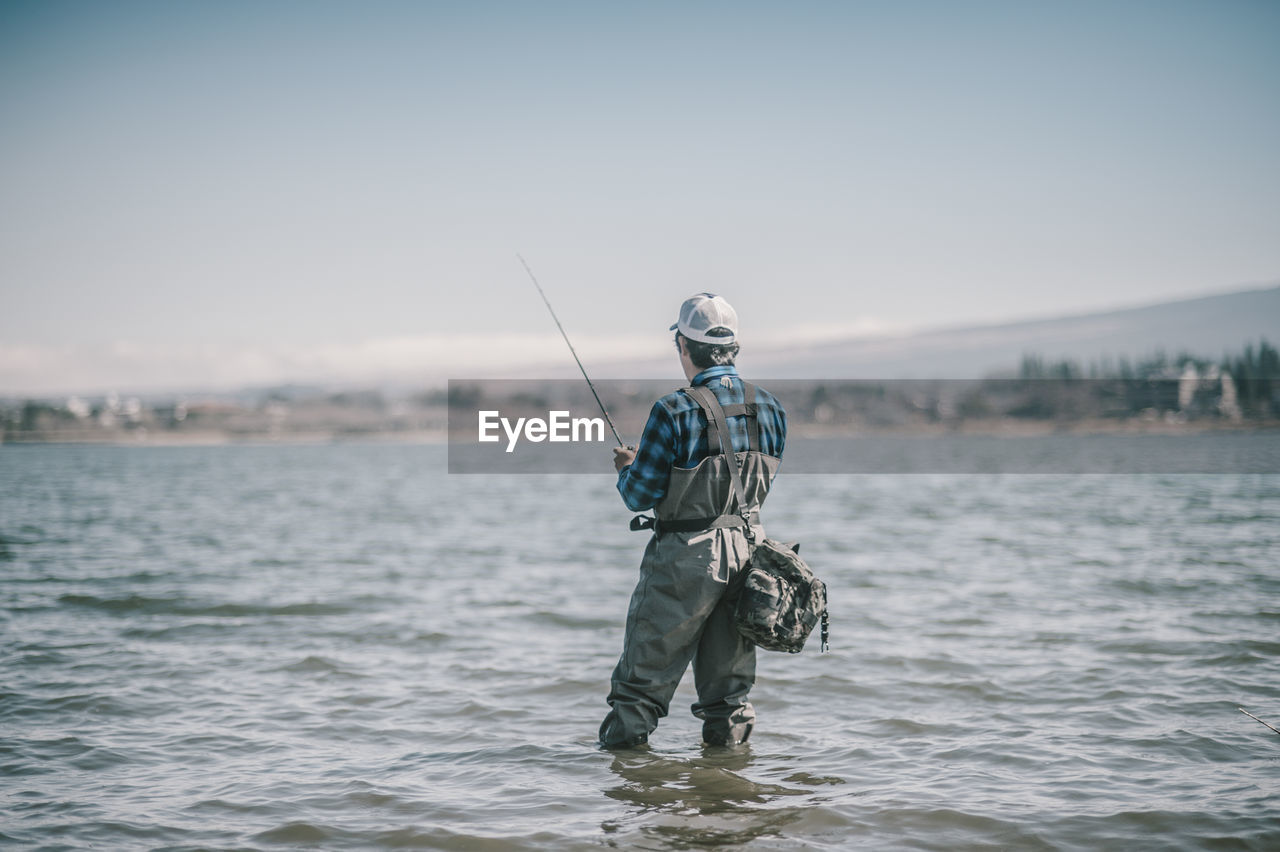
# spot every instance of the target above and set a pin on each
(213, 194)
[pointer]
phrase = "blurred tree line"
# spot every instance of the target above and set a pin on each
(1239, 387)
(1247, 383)
(1257, 378)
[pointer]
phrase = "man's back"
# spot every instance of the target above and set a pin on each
(676, 434)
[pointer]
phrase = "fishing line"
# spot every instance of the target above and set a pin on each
(603, 411)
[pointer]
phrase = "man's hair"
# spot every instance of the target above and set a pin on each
(704, 355)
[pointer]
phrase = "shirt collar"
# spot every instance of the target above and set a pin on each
(706, 376)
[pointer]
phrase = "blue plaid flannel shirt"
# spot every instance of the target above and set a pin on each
(676, 436)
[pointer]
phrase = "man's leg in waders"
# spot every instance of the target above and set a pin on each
(724, 663)
(724, 670)
(676, 593)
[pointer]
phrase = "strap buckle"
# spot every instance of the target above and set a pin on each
(642, 522)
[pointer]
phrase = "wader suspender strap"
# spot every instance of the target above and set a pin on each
(711, 405)
(749, 408)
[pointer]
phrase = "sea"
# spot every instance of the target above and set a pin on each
(344, 646)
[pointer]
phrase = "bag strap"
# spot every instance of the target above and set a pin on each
(709, 403)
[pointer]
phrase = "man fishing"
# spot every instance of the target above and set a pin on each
(680, 611)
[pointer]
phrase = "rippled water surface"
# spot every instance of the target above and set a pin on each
(345, 647)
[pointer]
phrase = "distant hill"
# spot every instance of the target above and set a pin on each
(1210, 327)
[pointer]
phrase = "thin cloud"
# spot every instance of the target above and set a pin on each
(132, 366)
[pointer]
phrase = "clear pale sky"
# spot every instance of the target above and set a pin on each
(213, 193)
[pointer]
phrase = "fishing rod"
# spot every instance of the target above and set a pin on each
(1256, 719)
(603, 411)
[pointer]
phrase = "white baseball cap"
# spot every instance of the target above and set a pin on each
(706, 311)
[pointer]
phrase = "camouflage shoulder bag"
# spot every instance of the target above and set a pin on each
(779, 598)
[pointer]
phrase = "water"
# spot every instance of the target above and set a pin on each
(343, 647)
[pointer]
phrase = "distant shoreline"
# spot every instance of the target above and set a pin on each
(1020, 428)
(219, 439)
(1000, 428)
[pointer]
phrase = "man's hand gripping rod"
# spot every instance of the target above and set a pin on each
(571, 350)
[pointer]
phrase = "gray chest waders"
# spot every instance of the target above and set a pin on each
(681, 610)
